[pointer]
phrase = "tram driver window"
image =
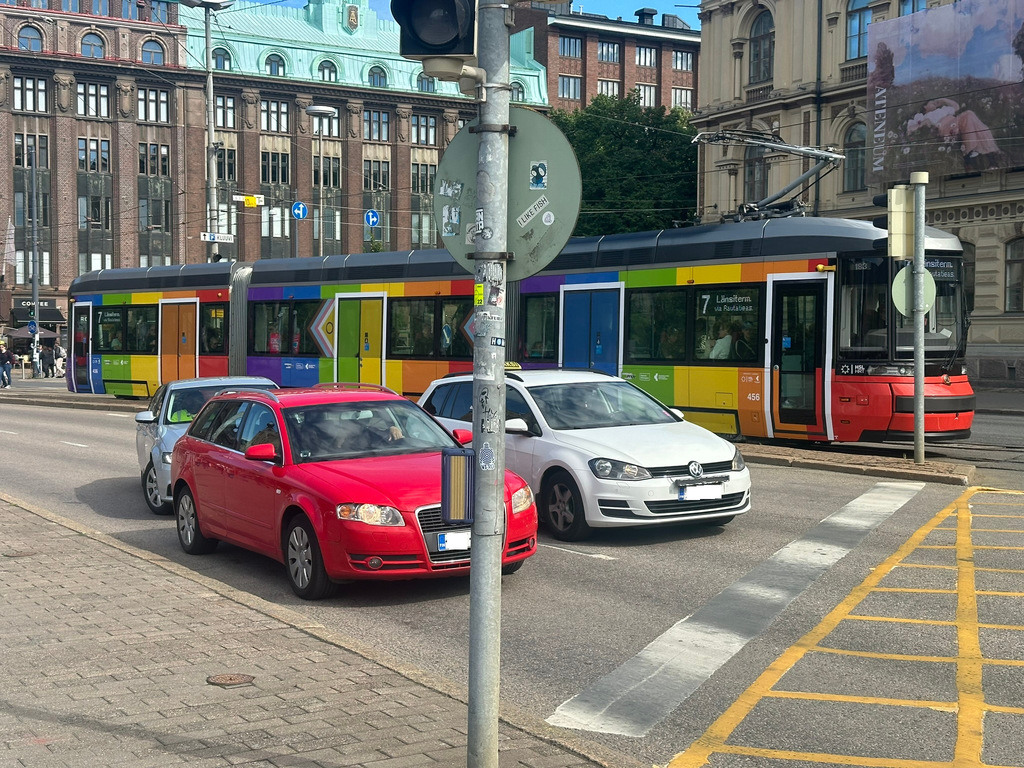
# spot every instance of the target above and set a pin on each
(727, 325)
(864, 301)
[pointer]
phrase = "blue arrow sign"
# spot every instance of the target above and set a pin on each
(299, 210)
(372, 218)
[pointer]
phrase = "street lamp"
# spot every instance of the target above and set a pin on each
(208, 7)
(319, 114)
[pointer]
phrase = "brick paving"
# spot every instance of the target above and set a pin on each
(106, 652)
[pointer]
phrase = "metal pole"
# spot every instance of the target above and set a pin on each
(489, 388)
(918, 181)
(320, 146)
(35, 262)
(211, 148)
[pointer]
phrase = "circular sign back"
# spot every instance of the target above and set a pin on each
(903, 291)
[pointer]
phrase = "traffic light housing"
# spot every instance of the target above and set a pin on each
(899, 221)
(440, 33)
(32, 312)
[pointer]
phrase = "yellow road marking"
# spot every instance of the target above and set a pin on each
(824, 757)
(999, 570)
(944, 706)
(924, 590)
(971, 711)
(901, 620)
(886, 656)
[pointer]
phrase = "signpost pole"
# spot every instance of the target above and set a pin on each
(918, 181)
(35, 265)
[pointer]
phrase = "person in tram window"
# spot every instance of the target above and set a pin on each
(744, 347)
(723, 345)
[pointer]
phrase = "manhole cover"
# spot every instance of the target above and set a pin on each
(230, 680)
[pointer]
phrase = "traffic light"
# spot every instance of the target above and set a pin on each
(899, 202)
(31, 311)
(440, 33)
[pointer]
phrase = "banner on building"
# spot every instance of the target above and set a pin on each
(9, 254)
(946, 89)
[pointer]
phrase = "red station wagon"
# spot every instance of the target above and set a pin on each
(338, 482)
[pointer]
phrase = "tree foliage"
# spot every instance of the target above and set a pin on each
(638, 166)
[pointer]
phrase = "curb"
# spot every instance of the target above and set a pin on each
(948, 474)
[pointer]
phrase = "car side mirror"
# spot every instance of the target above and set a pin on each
(464, 436)
(261, 452)
(517, 426)
(678, 413)
(145, 417)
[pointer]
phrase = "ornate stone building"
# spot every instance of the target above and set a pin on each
(799, 69)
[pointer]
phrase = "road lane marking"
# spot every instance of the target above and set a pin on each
(7, 432)
(121, 415)
(643, 691)
(76, 445)
(575, 552)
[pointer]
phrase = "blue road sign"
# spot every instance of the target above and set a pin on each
(299, 210)
(372, 218)
(32, 327)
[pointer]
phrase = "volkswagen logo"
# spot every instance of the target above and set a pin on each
(695, 468)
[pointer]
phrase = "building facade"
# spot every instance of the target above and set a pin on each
(588, 54)
(103, 104)
(799, 69)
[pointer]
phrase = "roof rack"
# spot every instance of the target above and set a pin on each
(248, 391)
(347, 385)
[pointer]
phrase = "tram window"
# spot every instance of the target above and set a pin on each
(270, 327)
(141, 330)
(863, 308)
(454, 313)
(411, 327)
(726, 324)
(657, 325)
(108, 334)
(213, 328)
(540, 317)
(304, 315)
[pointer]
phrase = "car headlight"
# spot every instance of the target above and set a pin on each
(165, 457)
(737, 461)
(522, 500)
(609, 469)
(371, 514)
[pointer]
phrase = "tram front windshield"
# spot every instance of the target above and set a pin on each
(870, 326)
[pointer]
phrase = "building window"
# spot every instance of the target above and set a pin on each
(274, 116)
(755, 175)
(69, 6)
(224, 111)
(682, 98)
(158, 11)
(328, 72)
(570, 47)
(762, 48)
(423, 175)
(30, 94)
(101, 7)
(94, 212)
(608, 88)
(94, 155)
(608, 52)
(154, 105)
(423, 230)
(858, 16)
(93, 99)
(92, 46)
(376, 175)
(682, 60)
(908, 7)
(424, 130)
(274, 167)
(646, 56)
(332, 172)
(226, 165)
(1015, 276)
(221, 59)
(326, 126)
(274, 65)
(378, 78)
(518, 92)
(568, 87)
(129, 9)
(152, 53)
(154, 160)
(376, 125)
(23, 266)
(855, 148)
(30, 39)
(30, 143)
(648, 95)
(426, 84)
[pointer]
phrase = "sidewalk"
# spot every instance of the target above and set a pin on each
(108, 652)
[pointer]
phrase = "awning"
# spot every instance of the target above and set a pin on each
(45, 315)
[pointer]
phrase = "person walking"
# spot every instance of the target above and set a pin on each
(6, 366)
(46, 360)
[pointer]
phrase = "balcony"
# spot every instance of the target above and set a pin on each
(759, 94)
(853, 72)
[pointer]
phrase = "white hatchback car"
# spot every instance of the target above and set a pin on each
(603, 453)
(170, 411)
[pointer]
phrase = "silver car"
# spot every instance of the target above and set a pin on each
(170, 412)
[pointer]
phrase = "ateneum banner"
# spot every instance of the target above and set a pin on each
(946, 90)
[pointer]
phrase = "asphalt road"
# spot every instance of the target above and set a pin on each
(574, 614)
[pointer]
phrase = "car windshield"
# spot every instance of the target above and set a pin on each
(348, 430)
(593, 404)
(186, 402)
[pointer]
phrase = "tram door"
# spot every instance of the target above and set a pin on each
(178, 343)
(80, 358)
(591, 327)
(360, 339)
(798, 343)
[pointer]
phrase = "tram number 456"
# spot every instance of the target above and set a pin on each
(755, 396)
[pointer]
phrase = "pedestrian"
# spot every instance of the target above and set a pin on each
(6, 366)
(46, 360)
(58, 358)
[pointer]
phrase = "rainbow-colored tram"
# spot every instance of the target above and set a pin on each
(780, 328)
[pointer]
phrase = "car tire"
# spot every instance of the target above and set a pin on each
(304, 562)
(508, 570)
(190, 535)
(151, 492)
(563, 511)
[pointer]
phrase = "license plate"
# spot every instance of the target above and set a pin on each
(700, 492)
(453, 540)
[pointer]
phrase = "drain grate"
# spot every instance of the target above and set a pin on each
(230, 680)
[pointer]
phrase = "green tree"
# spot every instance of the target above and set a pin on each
(638, 166)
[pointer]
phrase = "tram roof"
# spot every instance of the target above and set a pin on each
(207, 275)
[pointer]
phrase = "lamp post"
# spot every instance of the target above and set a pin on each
(34, 208)
(209, 6)
(319, 113)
